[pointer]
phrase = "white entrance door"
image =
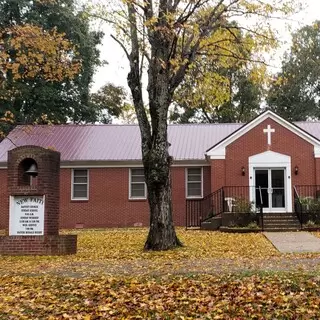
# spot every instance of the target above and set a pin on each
(272, 184)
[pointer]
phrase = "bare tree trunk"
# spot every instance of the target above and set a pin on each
(157, 162)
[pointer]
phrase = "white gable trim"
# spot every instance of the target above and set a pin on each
(219, 150)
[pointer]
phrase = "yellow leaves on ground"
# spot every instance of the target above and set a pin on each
(120, 252)
(290, 296)
(211, 277)
(128, 244)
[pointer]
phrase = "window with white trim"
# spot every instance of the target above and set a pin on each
(80, 184)
(194, 182)
(137, 184)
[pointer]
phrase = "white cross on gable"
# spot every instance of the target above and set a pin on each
(268, 131)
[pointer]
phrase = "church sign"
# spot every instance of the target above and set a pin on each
(26, 216)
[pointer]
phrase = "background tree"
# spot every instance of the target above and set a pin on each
(165, 37)
(29, 52)
(28, 95)
(295, 91)
(224, 84)
(111, 101)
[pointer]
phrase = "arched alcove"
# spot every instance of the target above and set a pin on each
(25, 177)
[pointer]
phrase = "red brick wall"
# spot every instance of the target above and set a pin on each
(179, 192)
(38, 245)
(317, 165)
(218, 174)
(4, 199)
(255, 142)
(109, 204)
(283, 141)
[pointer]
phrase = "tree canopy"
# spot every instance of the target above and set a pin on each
(48, 57)
(295, 90)
(224, 84)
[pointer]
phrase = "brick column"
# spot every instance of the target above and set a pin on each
(46, 185)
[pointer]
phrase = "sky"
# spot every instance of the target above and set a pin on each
(117, 68)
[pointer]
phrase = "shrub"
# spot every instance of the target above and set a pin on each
(310, 223)
(243, 205)
(253, 225)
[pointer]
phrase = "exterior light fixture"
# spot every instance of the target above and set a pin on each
(296, 170)
(243, 171)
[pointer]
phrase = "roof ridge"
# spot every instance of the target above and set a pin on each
(79, 125)
(124, 124)
(308, 121)
(205, 124)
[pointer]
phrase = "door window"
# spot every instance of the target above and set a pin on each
(270, 187)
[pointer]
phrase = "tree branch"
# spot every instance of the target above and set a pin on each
(210, 24)
(134, 81)
(121, 45)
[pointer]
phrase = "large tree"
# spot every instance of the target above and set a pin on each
(165, 37)
(29, 95)
(295, 92)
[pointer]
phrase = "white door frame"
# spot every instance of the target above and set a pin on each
(269, 174)
(272, 160)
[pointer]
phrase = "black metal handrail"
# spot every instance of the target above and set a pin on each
(261, 207)
(200, 210)
(297, 204)
(225, 199)
(308, 191)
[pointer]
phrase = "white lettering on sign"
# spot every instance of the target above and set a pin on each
(26, 216)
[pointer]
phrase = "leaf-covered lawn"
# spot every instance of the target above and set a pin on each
(200, 297)
(120, 251)
(215, 276)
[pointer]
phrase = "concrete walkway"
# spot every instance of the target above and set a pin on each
(294, 242)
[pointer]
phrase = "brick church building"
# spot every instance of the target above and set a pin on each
(268, 161)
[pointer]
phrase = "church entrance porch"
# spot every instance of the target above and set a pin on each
(266, 203)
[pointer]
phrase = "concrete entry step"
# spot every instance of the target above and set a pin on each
(281, 226)
(282, 223)
(277, 229)
(279, 215)
(286, 221)
(294, 242)
(279, 218)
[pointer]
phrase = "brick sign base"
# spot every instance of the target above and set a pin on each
(38, 245)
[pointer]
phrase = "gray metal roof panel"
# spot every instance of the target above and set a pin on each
(122, 142)
(114, 142)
